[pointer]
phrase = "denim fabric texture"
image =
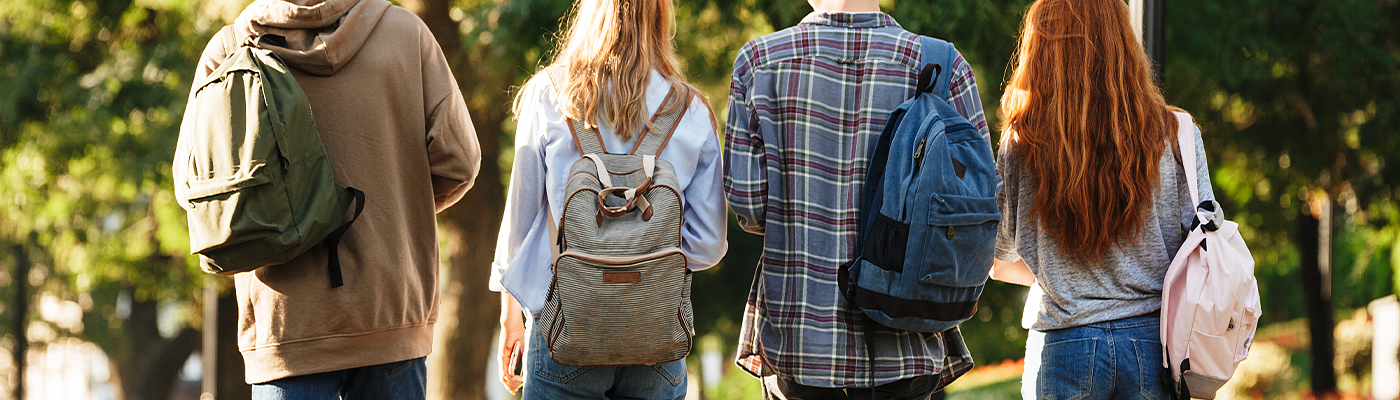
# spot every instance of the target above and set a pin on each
(547, 380)
(1119, 359)
(406, 380)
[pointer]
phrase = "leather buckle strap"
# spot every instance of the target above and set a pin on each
(632, 195)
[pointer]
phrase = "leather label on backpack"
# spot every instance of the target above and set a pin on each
(622, 277)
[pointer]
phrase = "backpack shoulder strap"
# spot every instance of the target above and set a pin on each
(1186, 141)
(663, 123)
(935, 65)
(586, 138)
(230, 39)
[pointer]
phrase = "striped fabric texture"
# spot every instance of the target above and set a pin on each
(621, 289)
(806, 106)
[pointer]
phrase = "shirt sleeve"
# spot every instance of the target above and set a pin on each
(525, 210)
(745, 173)
(1007, 196)
(963, 95)
(704, 238)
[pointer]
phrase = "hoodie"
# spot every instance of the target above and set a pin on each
(394, 124)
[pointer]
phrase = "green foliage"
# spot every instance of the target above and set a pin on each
(91, 94)
(1296, 99)
(995, 334)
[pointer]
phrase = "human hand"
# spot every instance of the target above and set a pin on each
(512, 346)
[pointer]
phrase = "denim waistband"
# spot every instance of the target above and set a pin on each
(1151, 318)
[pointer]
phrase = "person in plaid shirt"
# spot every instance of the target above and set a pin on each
(806, 105)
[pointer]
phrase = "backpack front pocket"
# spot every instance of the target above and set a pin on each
(246, 205)
(620, 310)
(959, 240)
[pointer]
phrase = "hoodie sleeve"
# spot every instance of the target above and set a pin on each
(213, 56)
(454, 155)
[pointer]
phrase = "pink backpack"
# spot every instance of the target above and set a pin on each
(1210, 300)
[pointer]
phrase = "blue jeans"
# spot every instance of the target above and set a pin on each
(547, 380)
(1120, 359)
(406, 379)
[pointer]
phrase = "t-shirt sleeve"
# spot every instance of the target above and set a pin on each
(1007, 195)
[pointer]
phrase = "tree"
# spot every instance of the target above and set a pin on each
(1302, 95)
(491, 46)
(92, 90)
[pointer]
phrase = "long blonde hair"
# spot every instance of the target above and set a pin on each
(609, 51)
(1089, 122)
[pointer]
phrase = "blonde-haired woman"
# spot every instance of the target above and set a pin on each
(1093, 198)
(614, 70)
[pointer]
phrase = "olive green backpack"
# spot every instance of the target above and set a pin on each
(250, 169)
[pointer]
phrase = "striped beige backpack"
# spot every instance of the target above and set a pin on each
(621, 289)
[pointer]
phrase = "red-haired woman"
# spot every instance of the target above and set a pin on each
(1093, 200)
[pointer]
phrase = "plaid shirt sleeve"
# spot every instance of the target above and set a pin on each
(745, 178)
(963, 95)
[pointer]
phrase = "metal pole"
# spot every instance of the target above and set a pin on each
(1149, 22)
(209, 353)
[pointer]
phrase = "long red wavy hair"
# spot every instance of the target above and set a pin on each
(1088, 121)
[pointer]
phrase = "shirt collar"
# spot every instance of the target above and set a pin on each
(850, 20)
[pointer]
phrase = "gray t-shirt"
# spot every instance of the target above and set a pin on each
(1128, 280)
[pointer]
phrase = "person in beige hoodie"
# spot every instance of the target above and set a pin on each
(395, 124)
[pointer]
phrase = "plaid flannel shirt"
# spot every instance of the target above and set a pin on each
(806, 105)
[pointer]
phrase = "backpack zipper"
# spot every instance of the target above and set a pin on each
(919, 155)
(918, 163)
(621, 260)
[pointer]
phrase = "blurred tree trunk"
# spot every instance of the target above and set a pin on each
(20, 280)
(468, 315)
(1315, 257)
(155, 362)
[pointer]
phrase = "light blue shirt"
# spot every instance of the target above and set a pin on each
(544, 151)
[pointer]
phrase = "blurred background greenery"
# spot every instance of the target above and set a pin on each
(1296, 98)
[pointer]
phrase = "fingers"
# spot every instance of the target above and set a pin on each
(513, 380)
(510, 345)
(514, 384)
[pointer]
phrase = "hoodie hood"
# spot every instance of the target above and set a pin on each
(319, 36)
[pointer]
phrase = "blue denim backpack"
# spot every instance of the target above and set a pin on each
(928, 212)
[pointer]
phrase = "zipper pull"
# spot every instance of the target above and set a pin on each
(919, 151)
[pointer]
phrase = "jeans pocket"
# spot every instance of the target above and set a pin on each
(674, 371)
(546, 368)
(1067, 369)
(393, 368)
(1149, 369)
